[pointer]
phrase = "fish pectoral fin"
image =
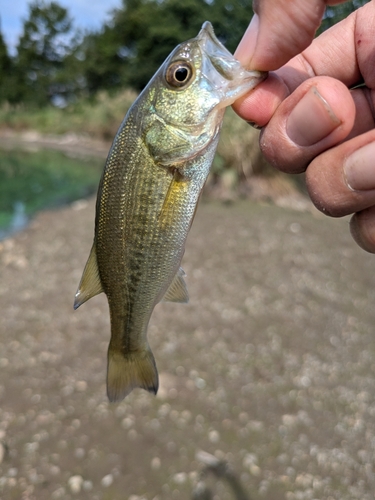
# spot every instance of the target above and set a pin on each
(177, 291)
(90, 284)
(126, 371)
(177, 188)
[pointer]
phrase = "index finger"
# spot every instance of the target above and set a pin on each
(345, 52)
(279, 30)
(335, 53)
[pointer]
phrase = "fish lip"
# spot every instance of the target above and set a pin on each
(231, 78)
(236, 92)
(256, 77)
(207, 35)
(207, 30)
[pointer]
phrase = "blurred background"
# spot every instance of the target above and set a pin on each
(267, 375)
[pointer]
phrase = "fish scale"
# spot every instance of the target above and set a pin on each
(140, 241)
(148, 194)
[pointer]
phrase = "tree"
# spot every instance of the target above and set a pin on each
(101, 61)
(152, 29)
(230, 20)
(5, 61)
(42, 48)
(129, 49)
(5, 70)
(140, 35)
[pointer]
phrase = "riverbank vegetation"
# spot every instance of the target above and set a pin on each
(98, 117)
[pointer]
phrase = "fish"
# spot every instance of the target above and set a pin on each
(147, 197)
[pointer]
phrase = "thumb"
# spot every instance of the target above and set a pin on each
(279, 30)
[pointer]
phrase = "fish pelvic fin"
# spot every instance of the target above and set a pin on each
(177, 291)
(126, 371)
(90, 284)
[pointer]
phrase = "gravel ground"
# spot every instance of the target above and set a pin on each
(270, 366)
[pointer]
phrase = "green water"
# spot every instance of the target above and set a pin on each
(30, 182)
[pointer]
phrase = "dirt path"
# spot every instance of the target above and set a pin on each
(270, 366)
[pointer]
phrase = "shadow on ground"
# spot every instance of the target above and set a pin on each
(270, 366)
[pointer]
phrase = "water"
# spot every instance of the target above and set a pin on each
(32, 181)
(18, 221)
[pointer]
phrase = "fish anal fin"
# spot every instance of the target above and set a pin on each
(90, 284)
(177, 291)
(128, 371)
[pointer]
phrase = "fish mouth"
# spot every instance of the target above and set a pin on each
(207, 30)
(223, 70)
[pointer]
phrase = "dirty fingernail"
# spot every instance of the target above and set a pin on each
(254, 125)
(359, 168)
(311, 120)
(246, 47)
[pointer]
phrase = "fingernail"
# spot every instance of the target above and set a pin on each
(359, 168)
(246, 47)
(311, 120)
(254, 125)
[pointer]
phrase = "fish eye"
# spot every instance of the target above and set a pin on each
(179, 74)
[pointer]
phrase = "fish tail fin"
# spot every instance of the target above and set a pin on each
(126, 371)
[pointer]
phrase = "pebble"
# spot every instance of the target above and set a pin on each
(75, 484)
(12, 472)
(155, 463)
(81, 385)
(79, 453)
(214, 436)
(59, 493)
(107, 480)
(3, 451)
(180, 478)
(87, 485)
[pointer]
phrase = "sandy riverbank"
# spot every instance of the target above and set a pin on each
(270, 365)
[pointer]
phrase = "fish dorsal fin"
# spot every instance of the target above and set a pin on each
(177, 291)
(90, 284)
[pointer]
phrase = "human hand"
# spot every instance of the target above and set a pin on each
(311, 120)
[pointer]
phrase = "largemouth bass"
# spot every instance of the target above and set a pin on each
(147, 197)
